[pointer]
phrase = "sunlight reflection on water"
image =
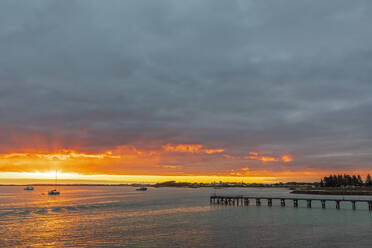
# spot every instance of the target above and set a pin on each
(168, 217)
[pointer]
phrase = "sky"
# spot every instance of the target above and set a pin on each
(251, 90)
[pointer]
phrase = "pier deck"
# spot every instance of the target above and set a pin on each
(245, 200)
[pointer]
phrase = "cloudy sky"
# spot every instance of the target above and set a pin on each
(171, 87)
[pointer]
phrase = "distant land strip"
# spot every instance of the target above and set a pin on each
(333, 192)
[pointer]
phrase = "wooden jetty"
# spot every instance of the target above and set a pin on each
(245, 200)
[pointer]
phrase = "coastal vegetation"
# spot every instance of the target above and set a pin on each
(345, 181)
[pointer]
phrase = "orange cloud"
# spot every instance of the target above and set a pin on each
(61, 155)
(212, 151)
(228, 156)
(183, 148)
(287, 158)
(263, 158)
(191, 148)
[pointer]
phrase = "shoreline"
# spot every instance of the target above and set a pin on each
(329, 191)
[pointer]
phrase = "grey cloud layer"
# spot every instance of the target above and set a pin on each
(247, 75)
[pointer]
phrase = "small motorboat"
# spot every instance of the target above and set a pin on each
(29, 188)
(53, 192)
(141, 189)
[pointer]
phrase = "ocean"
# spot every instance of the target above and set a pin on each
(115, 216)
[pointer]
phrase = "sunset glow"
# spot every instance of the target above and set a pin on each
(128, 164)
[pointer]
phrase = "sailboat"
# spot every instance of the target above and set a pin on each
(54, 191)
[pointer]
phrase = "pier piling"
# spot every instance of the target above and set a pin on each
(295, 203)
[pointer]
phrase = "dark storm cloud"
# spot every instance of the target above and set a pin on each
(290, 75)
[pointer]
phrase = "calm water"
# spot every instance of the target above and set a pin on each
(169, 217)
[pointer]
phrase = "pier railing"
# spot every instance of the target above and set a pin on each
(245, 201)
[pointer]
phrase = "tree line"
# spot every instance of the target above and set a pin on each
(345, 180)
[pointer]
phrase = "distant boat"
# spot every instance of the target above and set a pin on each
(141, 189)
(29, 188)
(54, 191)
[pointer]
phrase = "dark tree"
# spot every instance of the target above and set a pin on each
(360, 181)
(368, 180)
